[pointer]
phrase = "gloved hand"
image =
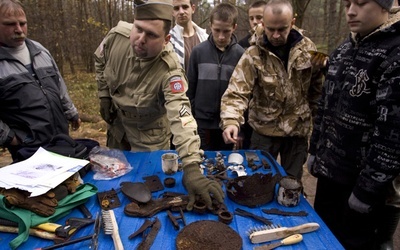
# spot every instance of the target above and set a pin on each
(43, 205)
(357, 205)
(197, 184)
(105, 109)
(310, 163)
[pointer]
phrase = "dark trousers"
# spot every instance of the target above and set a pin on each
(212, 140)
(293, 151)
(354, 230)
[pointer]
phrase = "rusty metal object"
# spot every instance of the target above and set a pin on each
(156, 205)
(151, 236)
(284, 213)
(153, 182)
(174, 219)
(252, 191)
(169, 182)
(146, 224)
(207, 234)
(245, 213)
(108, 199)
(289, 191)
(136, 191)
(225, 217)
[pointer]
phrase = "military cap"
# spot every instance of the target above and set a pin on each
(386, 4)
(153, 9)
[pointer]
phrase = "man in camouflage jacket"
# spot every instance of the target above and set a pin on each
(276, 80)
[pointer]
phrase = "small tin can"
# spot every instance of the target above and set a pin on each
(289, 191)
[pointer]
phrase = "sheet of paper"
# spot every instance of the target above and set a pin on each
(41, 172)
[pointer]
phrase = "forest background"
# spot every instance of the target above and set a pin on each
(72, 30)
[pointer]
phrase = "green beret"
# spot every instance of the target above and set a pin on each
(153, 9)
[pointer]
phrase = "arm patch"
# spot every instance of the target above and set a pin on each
(176, 85)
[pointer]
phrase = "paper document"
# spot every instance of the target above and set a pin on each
(41, 172)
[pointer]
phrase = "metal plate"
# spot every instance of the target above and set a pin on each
(153, 182)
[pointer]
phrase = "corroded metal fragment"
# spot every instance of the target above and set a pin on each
(208, 234)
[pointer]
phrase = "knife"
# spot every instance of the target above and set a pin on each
(296, 238)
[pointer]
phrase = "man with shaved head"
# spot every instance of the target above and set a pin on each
(276, 80)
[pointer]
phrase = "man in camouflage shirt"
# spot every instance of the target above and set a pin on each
(276, 80)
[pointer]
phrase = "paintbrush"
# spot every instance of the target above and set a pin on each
(111, 227)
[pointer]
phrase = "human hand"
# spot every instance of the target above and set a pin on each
(318, 59)
(105, 109)
(357, 205)
(43, 205)
(197, 184)
(230, 134)
(76, 124)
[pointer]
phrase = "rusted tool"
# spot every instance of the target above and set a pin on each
(284, 213)
(174, 219)
(93, 237)
(150, 236)
(156, 205)
(245, 213)
(146, 224)
(72, 225)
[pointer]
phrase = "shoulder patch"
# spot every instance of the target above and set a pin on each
(176, 85)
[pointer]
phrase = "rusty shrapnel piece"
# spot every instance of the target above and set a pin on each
(254, 190)
(156, 205)
(208, 234)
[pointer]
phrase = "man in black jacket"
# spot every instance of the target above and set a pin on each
(355, 145)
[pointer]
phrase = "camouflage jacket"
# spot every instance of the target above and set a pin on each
(280, 100)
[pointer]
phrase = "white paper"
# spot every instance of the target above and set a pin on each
(41, 172)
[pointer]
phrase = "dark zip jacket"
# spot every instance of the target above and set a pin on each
(209, 72)
(35, 104)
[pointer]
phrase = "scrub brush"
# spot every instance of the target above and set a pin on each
(276, 232)
(111, 227)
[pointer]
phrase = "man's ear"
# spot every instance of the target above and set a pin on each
(167, 38)
(293, 21)
(235, 26)
(193, 8)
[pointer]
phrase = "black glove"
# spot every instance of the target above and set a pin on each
(197, 184)
(106, 110)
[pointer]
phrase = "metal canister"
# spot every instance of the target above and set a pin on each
(289, 191)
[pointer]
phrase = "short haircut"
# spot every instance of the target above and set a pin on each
(257, 4)
(11, 7)
(167, 26)
(276, 2)
(224, 12)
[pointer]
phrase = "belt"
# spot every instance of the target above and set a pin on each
(138, 116)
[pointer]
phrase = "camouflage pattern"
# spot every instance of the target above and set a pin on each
(150, 97)
(281, 102)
